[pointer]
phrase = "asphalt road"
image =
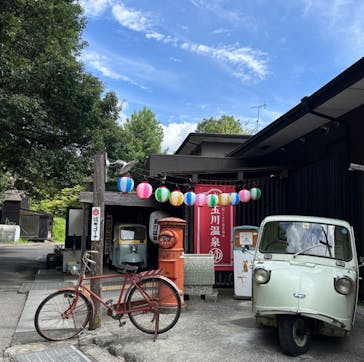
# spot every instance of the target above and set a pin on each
(18, 265)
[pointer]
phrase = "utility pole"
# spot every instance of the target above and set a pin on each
(97, 231)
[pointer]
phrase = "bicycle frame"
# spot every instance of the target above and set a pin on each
(118, 308)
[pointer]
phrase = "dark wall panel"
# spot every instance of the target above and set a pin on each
(272, 202)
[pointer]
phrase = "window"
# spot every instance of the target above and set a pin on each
(291, 237)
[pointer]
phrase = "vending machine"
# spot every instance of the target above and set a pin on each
(244, 241)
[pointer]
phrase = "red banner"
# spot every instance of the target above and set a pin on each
(213, 228)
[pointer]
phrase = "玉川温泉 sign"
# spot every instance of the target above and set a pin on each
(213, 227)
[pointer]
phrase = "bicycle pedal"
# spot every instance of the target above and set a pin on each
(122, 323)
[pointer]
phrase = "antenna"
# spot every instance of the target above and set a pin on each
(258, 108)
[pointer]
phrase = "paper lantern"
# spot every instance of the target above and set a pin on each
(161, 194)
(189, 198)
(212, 200)
(144, 190)
(125, 184)
(234, 198)
(201, 199)
(224, 199)
(176, 198)
(256, 193)
(244, 195)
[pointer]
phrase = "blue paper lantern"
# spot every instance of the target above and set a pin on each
(189, 198)
(234, 198)
(125, 184)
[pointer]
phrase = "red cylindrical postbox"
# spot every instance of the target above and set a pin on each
(171, 249)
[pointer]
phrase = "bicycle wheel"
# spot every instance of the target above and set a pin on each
(165, 311)
(49, 318)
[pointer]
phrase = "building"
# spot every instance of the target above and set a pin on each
(308, 161)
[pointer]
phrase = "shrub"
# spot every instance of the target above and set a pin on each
(59, 229)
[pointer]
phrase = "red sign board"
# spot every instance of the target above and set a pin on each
(213, 228)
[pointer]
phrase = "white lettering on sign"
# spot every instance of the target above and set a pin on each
(95, 223)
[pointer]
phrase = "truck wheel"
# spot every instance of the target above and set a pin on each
(294, 334)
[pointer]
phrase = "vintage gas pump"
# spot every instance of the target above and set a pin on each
(171, 249)
(244, 242)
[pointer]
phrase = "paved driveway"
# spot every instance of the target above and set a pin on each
(226, 331)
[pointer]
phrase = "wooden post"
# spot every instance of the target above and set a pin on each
(98, 245)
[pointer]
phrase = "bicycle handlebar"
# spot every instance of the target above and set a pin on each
(90, 261)
(86, 259)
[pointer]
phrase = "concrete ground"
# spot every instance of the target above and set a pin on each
(208, 330)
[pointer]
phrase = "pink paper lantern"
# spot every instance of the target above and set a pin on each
(144, 190)
(201, 199)
(244, 195)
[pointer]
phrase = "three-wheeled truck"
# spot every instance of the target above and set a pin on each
(305, 279)
(129, 245)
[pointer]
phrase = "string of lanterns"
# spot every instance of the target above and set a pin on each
(162, 194)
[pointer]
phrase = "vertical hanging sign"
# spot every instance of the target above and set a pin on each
(108, 234)
(213, 227)
(95, 223)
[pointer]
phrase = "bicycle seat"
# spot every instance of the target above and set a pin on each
(127, 268)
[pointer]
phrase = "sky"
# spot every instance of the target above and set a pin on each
(189, 60)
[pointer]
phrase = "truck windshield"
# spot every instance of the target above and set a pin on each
(132, 233)
(293, 237)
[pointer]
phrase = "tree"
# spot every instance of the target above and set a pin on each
(143, 136)
(53, 117)
(224, 125)
(58, 203)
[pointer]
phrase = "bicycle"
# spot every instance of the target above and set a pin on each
(151, 301)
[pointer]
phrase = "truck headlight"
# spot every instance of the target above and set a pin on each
(133, 248)
(343, 285)
(261, 275)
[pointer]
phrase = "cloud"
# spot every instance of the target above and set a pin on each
(103, 64)
(130, 18)
(123, 105)
(94, 7)
(167, 39)
(221, 31)
(246, 59)
(248, 64)
(179, 132)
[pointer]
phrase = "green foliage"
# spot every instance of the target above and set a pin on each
(53, 117)
(59, 229)
(57, 204)
(143, 136)
(224, 125)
